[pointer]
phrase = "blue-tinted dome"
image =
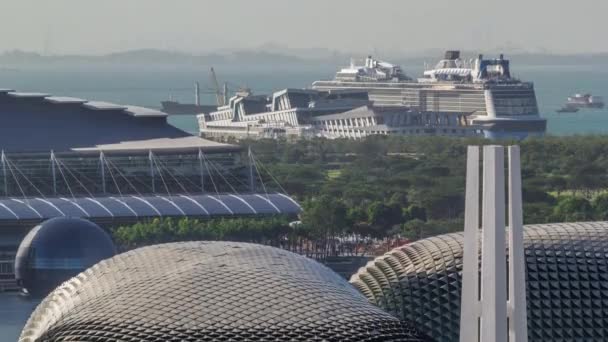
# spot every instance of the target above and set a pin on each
(58, 249)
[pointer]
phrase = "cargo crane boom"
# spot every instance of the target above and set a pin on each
(219, 95)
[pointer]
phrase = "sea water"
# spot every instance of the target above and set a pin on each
(15, 309)
(148, 86)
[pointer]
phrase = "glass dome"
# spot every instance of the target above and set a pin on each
(57, 250)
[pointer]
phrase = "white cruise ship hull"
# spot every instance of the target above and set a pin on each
(508, 110)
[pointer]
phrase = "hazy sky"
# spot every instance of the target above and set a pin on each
(100, 26)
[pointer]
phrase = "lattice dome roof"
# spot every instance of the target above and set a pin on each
(210, 291)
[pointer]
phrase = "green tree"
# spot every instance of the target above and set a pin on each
(571, 209)
(414, 212)
(383, 217)
(413, 230)
(600, 206)
(325, 216)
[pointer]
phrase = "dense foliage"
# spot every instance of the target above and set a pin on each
(267, 230)
(387, 186)
(275, 231)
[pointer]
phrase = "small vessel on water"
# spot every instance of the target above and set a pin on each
(568, 109)
(585, 101)
(176, 108)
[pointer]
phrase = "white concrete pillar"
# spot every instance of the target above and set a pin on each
(518, 321)
(469, 310)
(486, 314)
(493, 259)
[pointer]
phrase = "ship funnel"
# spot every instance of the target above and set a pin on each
(501, 57)
(452, 54)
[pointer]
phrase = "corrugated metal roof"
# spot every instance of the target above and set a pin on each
(100, 105)
(188, 143)
(28, 95)
(65, 100)
(144, 112)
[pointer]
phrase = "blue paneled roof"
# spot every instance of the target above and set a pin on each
(131, 206)
(37, 122)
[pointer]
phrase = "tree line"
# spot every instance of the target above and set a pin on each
(407, 187)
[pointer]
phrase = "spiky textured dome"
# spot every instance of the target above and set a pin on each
(567, 283)
(210, 291)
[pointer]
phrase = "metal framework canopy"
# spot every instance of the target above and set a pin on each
(133, 207)
(128, 188)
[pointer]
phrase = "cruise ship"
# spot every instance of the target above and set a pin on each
(481, 90)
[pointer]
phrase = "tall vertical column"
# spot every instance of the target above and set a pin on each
(493, 259)
(251, 166)
(102, 162)
(518, 321)
(487, 315)
(53, 173)
(470, 258)
(225, 94)
(201, 169)
(4, 175)
(152, 175)
(197, 94)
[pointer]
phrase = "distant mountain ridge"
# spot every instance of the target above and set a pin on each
(273, 56)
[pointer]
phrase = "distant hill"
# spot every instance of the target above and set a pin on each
(271, 56)
(148, 57)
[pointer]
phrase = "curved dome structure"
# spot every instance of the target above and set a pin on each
(58, 249)
(567, 283)
(210, 291)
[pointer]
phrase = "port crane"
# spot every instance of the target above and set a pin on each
(220, 95)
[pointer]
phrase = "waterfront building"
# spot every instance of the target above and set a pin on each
(305, 113)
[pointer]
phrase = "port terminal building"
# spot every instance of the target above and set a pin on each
(336, 113)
